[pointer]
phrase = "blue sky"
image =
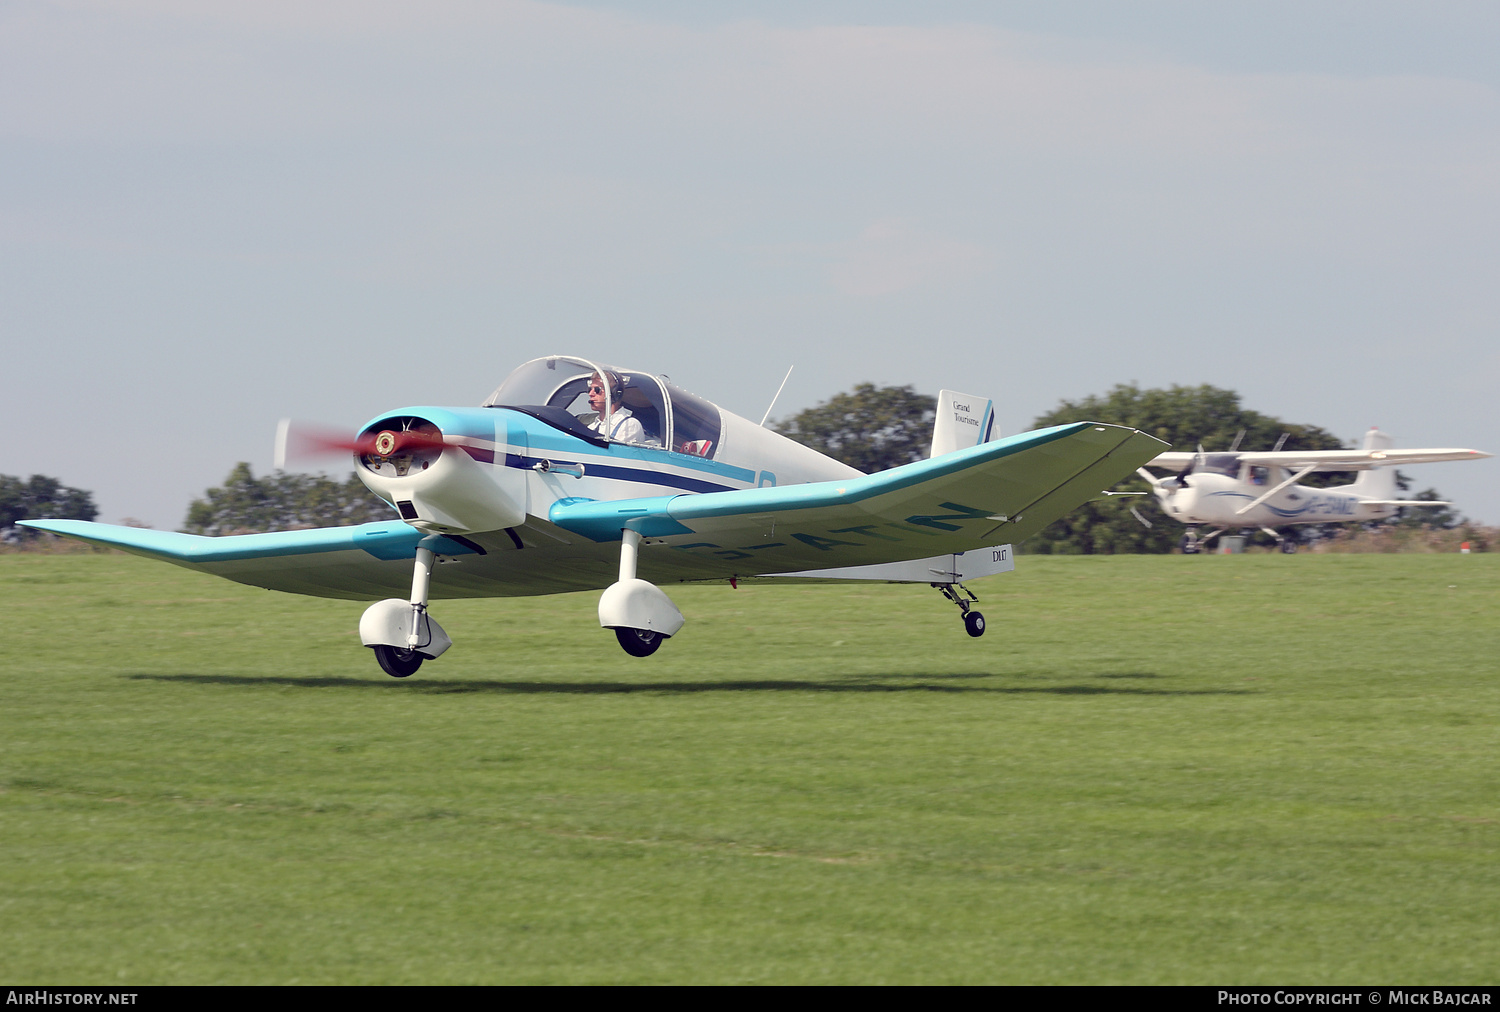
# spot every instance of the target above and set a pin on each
(216, 215)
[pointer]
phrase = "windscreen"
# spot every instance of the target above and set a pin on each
(554, 381)
(1221, 463)
(621, 405)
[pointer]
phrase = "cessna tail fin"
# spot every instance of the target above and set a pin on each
(963, 420)
(1377, 482)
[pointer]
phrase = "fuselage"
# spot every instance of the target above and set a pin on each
(516, 464)
(562, 429)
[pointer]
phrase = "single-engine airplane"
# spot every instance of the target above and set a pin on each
(575, 475)
(1249, 489)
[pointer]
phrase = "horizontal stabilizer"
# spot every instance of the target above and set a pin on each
(1329, 460)
(957, 568)
(1405, 502)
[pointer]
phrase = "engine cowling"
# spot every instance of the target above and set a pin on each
(434, 482)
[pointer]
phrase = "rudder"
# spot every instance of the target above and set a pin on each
(962, 421)
(1377, 482)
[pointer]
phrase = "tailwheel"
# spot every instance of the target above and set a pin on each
(638, 642)
(965, 599)
(396, 662)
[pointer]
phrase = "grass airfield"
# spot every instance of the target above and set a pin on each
(1151, 769)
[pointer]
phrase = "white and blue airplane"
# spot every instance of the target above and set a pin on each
(1233, 489)
(575, 475)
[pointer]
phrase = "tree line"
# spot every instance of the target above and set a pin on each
(37, 498)
(284, 501)
(870, 428)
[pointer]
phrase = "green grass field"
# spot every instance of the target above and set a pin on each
(1221, 769)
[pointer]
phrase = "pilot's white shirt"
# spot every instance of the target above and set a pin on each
(622, 426)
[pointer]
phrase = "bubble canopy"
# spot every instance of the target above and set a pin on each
(670, 418)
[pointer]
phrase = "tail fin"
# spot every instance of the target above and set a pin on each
(1377, 482)
(963, 420)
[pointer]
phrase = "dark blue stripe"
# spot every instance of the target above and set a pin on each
(635, 474)
(654, 478)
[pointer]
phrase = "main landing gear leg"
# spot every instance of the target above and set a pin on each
(639, 612)
(961, 596)
(399, 662)
(1192, 544)
(400, 632)
(635, 642)
(1286, 542)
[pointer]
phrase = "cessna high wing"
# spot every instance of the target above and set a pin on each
(575, 475)
(1248, 489)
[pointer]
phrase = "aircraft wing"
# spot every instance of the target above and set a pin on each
(985, 496)
(998, 492)
(1328, 460)
(358, 562)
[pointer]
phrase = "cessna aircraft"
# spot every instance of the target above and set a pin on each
(1247, 489)
(575, 475)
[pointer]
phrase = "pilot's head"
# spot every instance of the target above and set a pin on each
(597, 386)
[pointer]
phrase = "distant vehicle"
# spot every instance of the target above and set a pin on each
(1232, 490)
(575, 475)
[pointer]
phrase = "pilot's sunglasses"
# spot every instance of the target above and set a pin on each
(596, 390)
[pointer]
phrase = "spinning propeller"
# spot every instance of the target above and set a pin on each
(395, 438)
(1197, 458)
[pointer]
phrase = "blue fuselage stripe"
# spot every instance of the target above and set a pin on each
(598, 470)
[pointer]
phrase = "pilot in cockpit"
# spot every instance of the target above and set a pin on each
(620, 424)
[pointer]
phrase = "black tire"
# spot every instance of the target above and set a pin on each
(638, 642)
(974, 623)
(1289, 547)
(1189, 546)
(396, 662)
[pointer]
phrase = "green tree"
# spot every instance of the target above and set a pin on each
(283, 501)
(40, 498)
(1183, 416)
(869, 428)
